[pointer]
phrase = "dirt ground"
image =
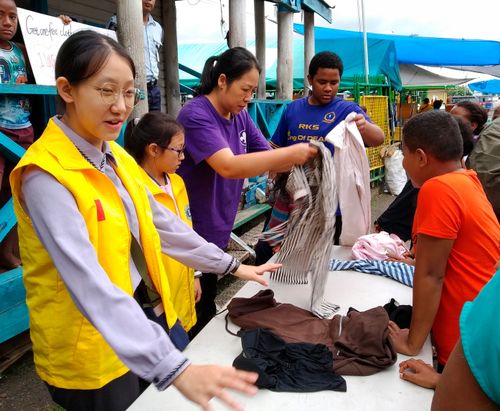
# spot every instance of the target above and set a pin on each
(21, 389)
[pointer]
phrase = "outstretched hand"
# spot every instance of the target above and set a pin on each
(419, 372)
(302, 152)
(254, 273)
(201, 383)
(406, 258)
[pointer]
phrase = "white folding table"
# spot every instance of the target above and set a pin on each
(382, 391)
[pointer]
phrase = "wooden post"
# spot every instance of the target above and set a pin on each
(260, 45)
(237, 24)
(170, 53)
(308, 45)
(284, 81)
(131, 36)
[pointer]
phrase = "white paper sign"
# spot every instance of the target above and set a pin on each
(43, 36)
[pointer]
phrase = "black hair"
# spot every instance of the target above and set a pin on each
(477, 114)
(153, 128)
(234, 63)
(325, 59)
(466, 133)
(84, 53)
(437, 104)
(435, 132)
(426, 100)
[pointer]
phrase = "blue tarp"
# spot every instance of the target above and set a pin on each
(487, 87)
(429, 51)
(383, 59)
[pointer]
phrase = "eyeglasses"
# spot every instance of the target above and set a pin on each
(179, 151)
(109, 94)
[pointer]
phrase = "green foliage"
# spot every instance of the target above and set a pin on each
(459, 91)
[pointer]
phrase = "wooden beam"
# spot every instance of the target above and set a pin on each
(284, 78)
(131, 36)
(237, 24)
(319, 7)
(260, 45)
(171, 58)
(308, 45)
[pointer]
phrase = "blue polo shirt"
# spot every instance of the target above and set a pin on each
(302, 122)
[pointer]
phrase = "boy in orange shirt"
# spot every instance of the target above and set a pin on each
(455, 232)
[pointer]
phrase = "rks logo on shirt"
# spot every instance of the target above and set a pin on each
(243, 138)
(329, 117)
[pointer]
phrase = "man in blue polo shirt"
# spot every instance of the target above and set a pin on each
(153, 40)
(314, 116)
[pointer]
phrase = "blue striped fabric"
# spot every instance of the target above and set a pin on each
(398, 271)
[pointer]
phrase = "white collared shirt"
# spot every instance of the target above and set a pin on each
(153, 40)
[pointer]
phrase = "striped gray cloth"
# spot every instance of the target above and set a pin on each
(395, 270)
(308, 241)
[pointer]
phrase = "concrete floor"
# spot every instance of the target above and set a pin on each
(21, 389)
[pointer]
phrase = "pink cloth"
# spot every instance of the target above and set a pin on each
(377, 246)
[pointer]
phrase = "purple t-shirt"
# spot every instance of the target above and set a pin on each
(214, 199)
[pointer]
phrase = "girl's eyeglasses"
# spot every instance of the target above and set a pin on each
(109, 95)
(179, 151)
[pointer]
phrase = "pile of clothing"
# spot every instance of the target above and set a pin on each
(358, 342)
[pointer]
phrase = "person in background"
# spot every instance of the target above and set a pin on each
(223, 146)
(436, 104)
(496, 113)
(476, 115)
(156, 142)
(425, 106)
(312, 117)
(455, 235)
(485, 160)
(153, 40)
(91, 238)
(14, 114)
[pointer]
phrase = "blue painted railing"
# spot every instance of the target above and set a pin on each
(13, 311)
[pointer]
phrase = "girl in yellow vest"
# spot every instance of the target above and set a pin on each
(156, 141)
(91, 241)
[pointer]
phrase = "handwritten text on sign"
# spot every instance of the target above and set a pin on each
(43, 36)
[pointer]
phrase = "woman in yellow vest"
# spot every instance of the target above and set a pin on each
(91, 241)
(156, 142)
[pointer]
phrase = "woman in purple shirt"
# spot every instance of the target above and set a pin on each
(223, 146)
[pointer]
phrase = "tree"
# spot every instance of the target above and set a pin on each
(459, 91)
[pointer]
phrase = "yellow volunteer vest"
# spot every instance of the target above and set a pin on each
(180, 277)
(68, 351)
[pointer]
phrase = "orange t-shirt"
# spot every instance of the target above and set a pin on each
(453, 206)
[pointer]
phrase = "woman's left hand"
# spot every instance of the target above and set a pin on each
(254, 273)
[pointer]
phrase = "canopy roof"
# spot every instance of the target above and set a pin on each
(487, 87)
(429, 51)
(415, 76)
(382, 59)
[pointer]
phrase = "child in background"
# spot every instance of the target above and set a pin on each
(456, 235)
(14, 114)
(157, 144)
